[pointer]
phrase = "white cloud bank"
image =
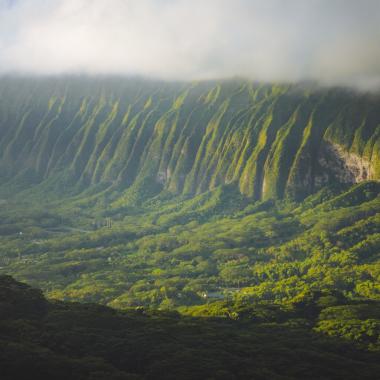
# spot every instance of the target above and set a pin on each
(333, 41)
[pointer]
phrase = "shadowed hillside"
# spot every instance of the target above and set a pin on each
(44, 340)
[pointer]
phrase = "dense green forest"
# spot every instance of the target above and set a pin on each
(182, 254)
(190, 213)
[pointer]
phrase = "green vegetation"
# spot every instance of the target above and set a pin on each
(226, 210)
(177, 254)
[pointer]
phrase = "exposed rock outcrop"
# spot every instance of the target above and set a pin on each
(343, 166)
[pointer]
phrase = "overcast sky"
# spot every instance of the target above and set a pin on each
(333, 41)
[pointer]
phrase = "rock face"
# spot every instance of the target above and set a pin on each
(344, 166)
(134, 139)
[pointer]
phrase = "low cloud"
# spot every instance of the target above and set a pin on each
(332, 41)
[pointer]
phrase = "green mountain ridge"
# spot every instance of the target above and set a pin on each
(135, 139)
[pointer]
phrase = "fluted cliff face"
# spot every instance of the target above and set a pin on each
(138, 138)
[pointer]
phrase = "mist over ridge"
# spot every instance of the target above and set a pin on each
(332, 42)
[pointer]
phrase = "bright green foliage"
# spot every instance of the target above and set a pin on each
(173, 253)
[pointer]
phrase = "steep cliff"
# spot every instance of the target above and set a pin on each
(137, 138)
